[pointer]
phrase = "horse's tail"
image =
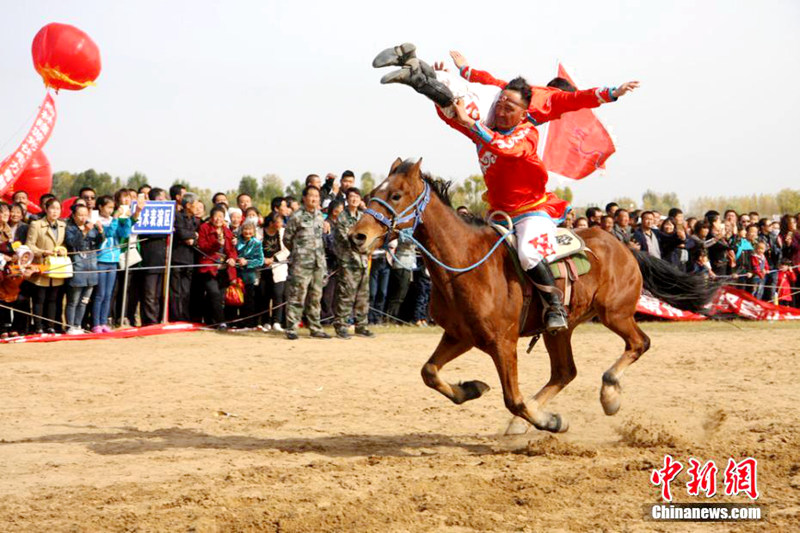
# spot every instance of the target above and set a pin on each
(690, 292)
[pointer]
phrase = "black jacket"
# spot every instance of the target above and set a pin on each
(185, 228)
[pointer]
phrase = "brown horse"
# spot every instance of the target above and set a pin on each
(482, 307)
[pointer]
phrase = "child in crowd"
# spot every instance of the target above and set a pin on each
(758, 269)
(786, 279)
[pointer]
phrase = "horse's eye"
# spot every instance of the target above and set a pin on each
(396, 197)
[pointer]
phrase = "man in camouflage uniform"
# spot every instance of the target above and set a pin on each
(303, 236)
(352, 279)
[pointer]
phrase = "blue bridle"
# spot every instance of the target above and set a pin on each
(414, 212)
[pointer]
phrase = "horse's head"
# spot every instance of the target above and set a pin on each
(392, 206)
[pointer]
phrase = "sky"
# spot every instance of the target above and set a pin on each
(211, 91)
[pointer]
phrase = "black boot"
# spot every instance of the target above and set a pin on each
(422, 78)
(395, 56)
(555, 315)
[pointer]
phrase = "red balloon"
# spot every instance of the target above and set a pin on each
(36, 179)
(65, 57)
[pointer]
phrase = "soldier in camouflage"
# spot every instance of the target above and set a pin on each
(352, 279)
(303, 236)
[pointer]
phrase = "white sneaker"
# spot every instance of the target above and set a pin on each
(277, 327)
(75, 331)
(265, 327)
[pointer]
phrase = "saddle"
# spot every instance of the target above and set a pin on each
(569, 263)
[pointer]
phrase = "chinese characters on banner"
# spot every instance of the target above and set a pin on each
(155, 218)
(738, 478)
(12, 167)
(729, 301)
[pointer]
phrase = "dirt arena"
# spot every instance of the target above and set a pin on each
(230, 432)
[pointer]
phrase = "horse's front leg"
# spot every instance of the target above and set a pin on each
(504, 355)
(449, 348)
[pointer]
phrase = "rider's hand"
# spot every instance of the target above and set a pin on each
(461, 113)
(439, 66)
(458, 59)
(627, 87)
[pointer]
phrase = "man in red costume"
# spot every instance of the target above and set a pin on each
(515, 176)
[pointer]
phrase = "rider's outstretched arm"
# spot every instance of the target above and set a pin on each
(473, 75)
(557, 102)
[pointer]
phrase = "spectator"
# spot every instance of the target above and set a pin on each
(151, 279)
(215, 242)
(252, 214)
(329, 290)
(593, 215)
(244, 201)
(145, 190)
(786, 279)
(612, 208)
(20, 197)
(220, 198)
(607, 223)
(89, 195)
(183, 254)
(622, 229)
(176, 192)
(581, 223)
(773, 255)
(647, 235)
(273, 279)
(250, 260)
(46, 239)
(16, 223)
(378, 284)
(352, 278)
(758, 269)
(292, 205)
(82, 239)
(672, 240)
(236, 217)
(115, 230)
(303, 237)
(403, 264)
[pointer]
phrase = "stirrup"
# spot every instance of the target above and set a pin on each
(395, 56)
(555, 319)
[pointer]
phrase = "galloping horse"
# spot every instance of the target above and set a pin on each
(481, 307)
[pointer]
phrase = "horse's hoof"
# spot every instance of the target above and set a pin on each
(517, 426)
(555, 423)
(474, 389)
(610, 396)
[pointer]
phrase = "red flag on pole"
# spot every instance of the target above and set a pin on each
(577, 143)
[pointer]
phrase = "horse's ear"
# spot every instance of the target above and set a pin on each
(416, 168)
(397, 163)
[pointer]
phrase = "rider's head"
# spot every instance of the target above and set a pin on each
(512, 105)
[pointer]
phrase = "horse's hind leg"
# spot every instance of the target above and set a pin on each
(449, 348)
(636, 343)
(562, 371)
(504, 355)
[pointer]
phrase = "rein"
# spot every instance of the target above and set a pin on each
(414, 213)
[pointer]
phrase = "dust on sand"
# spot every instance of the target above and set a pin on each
(207, 432)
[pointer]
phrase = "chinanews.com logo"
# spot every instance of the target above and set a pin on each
(738, 478)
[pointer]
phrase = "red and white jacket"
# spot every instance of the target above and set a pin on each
(515, 176)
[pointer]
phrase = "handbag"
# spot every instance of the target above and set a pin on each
(234, 294)
(134, 255)
(58, 266)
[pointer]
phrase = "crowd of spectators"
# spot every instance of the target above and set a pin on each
(213, 247)
(222, 244)
(745, 250)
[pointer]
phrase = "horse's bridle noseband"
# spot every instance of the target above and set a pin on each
(412, 212)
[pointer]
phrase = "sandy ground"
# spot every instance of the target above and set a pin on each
(134, 435)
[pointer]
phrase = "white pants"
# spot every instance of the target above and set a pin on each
(536, 240)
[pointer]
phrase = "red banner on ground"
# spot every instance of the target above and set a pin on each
(146, 331)
(577, 143)
(745, 305)
(729, 301)
(12, 167)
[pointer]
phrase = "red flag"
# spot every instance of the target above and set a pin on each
(577, 143)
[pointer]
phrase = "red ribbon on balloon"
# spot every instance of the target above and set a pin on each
(12, 167)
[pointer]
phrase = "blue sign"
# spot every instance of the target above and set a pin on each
(155, 218)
